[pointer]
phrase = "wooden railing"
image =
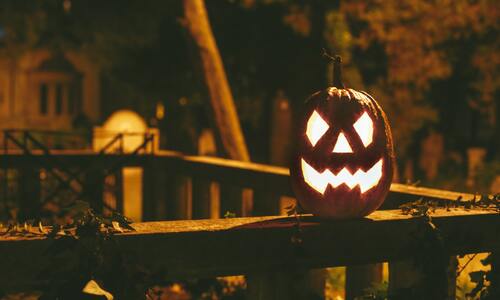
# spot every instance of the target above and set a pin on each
(163, 169)
(178, 187)
(263, 245)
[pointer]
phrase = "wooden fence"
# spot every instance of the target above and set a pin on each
(177, 187)
(181, 178)
(260, 246)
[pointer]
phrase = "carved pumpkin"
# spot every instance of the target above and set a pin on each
(344, 157)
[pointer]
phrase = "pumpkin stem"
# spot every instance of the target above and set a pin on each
(337, 69)
(337, 72)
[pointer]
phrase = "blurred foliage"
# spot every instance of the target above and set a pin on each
(419, 41)
(102, 29)
(335, 283)
(486, 281)
(487, 174)
(377, 291)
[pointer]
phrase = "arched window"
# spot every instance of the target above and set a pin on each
(57, 81)
(44, 98)
(59, 98)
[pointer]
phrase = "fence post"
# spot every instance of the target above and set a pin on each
(292, 284)
(206, 203)
(113, 191)
(232, 200)
(205, 199)
(407, 278)
(266, 203)
(359, 278)
(29, 188)
(495, 274)
(93, 187)
(285, 285)
(154, 191)
(179, 200)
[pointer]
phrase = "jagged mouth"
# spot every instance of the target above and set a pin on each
(320, 181)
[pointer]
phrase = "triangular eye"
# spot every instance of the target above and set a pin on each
(342, 145)
(316, 128)
(364, 128)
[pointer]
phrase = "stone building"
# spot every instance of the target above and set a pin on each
(46, 90)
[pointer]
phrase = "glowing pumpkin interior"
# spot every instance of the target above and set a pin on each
(316, 128)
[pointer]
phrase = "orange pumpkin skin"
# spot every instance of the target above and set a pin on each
(331, 178)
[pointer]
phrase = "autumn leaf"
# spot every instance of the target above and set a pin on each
(92, 288)
(116, 226)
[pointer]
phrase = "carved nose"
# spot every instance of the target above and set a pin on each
(342, 145)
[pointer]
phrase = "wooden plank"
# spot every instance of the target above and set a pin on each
(407, 277)
(361, 277)
(204, 194)
(277, 285)
(266, 202)
(403, 193)
(231, 200)
(179, 202)
(93, 189)
(200, 248)
(293, 283)
(154, 191)
(231, 172)
(30, 193)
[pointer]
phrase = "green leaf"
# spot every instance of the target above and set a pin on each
(229, 214)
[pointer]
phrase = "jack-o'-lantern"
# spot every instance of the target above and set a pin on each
(343, 163)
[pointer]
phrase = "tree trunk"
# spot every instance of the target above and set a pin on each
(221, 99)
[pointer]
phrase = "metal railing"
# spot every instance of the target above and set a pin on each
(55, 175)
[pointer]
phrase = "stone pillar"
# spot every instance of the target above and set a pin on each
(29, 188)
(475, 160)
(431, 154)
(281, 131)
(206, 193)
(93, 187)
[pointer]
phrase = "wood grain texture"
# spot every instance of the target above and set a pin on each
(200, 248)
